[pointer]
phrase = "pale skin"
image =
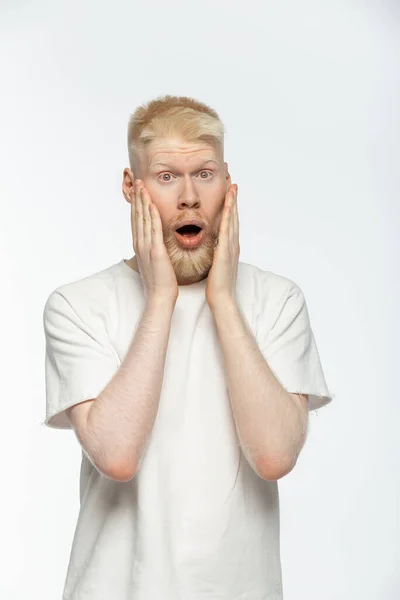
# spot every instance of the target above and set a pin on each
(271, 422)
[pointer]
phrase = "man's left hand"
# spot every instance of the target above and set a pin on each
(221, 281)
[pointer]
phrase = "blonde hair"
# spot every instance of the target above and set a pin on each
(172, 116)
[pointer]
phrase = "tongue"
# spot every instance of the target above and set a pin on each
(189, 234)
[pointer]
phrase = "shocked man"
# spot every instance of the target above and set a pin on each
(187, 377)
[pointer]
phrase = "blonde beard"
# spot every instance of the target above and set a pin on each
(192, 263)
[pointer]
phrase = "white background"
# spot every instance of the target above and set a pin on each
(309, 94)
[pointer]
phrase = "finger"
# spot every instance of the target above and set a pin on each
(157, 232)
(133, 217)
(139, 218)
(225, 215)
(146, 217)
(231, 220)
(233, 215)
(224, 229)
(236, 217)
(232, 202)
(228, 198)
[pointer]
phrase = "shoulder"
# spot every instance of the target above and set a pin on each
(267, 286)
(274, 298)
(88, 297)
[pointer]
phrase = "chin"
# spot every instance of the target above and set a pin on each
(191, 262)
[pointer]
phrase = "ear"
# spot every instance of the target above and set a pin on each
(128, 180)
(227, 176)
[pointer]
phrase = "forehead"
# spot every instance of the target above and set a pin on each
(180, 152)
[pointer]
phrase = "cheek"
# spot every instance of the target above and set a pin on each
(164, 197)
(218, 207)
(154, 191)
(158, 199)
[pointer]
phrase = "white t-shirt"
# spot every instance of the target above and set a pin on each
(196, 522)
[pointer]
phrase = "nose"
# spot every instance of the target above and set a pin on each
(189, 196)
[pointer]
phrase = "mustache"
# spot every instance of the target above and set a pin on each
(212, 227)
(206, 225)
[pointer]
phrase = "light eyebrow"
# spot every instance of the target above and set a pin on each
(208, 160)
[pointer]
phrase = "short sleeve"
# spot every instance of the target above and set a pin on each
(290, 349)
(78, 364)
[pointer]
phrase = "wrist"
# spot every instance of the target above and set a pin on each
(222, 304)
(161, 303)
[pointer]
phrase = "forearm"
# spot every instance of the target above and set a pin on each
(271, 428)
(121, 419)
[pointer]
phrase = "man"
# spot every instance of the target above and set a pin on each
(187, 377)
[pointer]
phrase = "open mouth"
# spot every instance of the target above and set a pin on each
(189, 231)
(189, 236)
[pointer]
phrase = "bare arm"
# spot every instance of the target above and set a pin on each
(271, 422)
(114, 428)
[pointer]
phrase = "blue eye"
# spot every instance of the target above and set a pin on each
(162, 176)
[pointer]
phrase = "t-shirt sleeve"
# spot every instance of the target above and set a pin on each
(290, 349)
(79, 362)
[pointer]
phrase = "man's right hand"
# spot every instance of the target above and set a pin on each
(158, 275)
